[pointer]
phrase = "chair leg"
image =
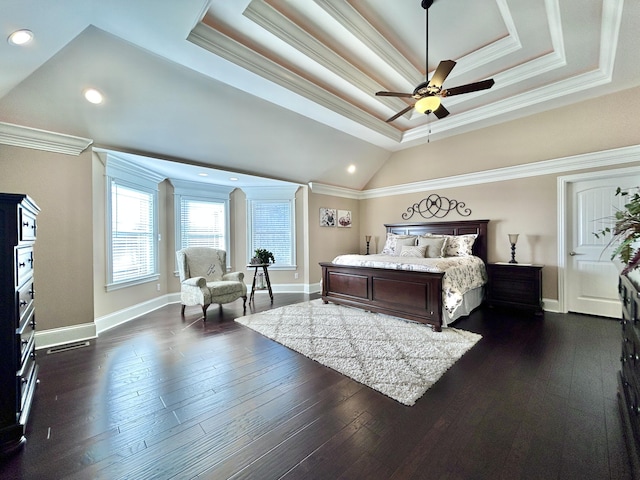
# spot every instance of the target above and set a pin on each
(204, 312)
(182, 310)
(244, 303)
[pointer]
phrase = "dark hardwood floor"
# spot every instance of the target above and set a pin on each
(162, 398)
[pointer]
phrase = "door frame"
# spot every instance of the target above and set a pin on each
(563, 221)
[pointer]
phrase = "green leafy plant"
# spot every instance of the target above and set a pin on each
(265, 256)
(626, 229)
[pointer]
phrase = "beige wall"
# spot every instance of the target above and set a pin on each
(63, 264)
(327, 242)
(592, 126)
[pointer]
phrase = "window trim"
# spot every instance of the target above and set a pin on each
(121, 172)
(204, 192)
(280, 194)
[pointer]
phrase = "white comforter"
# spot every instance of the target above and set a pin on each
(461, 274)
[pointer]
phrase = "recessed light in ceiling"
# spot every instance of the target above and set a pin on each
(233, 179)
(20, 37)
(94, 96)
(203, 174)
(351, 168)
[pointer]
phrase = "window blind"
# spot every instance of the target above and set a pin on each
(203, 224)
(271, 229)
(132, 233)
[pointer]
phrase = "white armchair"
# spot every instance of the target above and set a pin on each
(204, 279)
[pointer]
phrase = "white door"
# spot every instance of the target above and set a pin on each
(592, 280)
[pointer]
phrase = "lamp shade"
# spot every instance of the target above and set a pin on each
(427, 104)
(513, 238)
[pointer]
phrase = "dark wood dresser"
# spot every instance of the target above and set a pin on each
(18, 368)
(515, 285)
(629, 376)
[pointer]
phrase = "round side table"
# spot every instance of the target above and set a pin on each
(265, 269)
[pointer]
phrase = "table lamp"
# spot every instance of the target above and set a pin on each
(513, 239)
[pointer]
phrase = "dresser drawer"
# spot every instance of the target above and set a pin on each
(25, 340)
(25, 379)
(25, 302)
(27, 226)
(24, 264)
(630, 359)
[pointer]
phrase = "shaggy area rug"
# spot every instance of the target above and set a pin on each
(398, 358)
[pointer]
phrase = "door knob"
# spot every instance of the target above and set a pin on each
(573, 254)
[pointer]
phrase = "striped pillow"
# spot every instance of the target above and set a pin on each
(413, 251)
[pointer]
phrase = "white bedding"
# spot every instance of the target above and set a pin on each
(461, 274)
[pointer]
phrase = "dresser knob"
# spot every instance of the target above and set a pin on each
(22, 264)
(23, 303)
(25, 342)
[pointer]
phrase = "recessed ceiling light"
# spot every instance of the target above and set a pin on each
(92, 95)
(233, 179)
(351, 168)
(20, 37)
(203, 174)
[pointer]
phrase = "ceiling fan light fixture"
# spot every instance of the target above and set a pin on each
(427, 104)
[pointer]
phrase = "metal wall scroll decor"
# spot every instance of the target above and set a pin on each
(435, 206)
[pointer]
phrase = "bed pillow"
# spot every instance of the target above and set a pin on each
(435, 246)
(415, 251)
(460, 245)
(394, 243)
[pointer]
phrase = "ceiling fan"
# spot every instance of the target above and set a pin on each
(428, 93)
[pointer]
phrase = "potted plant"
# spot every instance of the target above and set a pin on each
(626, 229)
(262, 255)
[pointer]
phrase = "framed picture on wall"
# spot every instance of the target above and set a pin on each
(344, 218)
(327, 217)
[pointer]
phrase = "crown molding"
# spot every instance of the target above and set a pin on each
(28, 137)
(215, 42)
(602, 159)
(280, 26)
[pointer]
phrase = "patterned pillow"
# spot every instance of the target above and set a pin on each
(394, 242)
(435, 246)
(413, 251)
(460, 245)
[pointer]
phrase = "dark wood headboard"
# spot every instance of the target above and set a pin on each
(460, 227)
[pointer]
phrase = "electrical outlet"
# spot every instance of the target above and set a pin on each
(158, 287)
(295, 275)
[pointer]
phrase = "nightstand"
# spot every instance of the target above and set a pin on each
(515, 285)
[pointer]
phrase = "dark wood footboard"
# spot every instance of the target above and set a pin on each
(406, 294)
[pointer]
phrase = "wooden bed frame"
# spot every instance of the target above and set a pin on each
(406, 294)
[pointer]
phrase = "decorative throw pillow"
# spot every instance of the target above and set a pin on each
(460, 245)
(413, 251)
(394, 243)
(435, 246)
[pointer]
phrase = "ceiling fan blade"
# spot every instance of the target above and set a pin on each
(442, 72)
(441, 112)
(394, 94)
(468, 88)
(399, 114)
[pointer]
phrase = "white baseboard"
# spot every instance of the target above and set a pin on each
(114, 319)
(60, 336)
(293, 288)
(86, 331)
(550, 305)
